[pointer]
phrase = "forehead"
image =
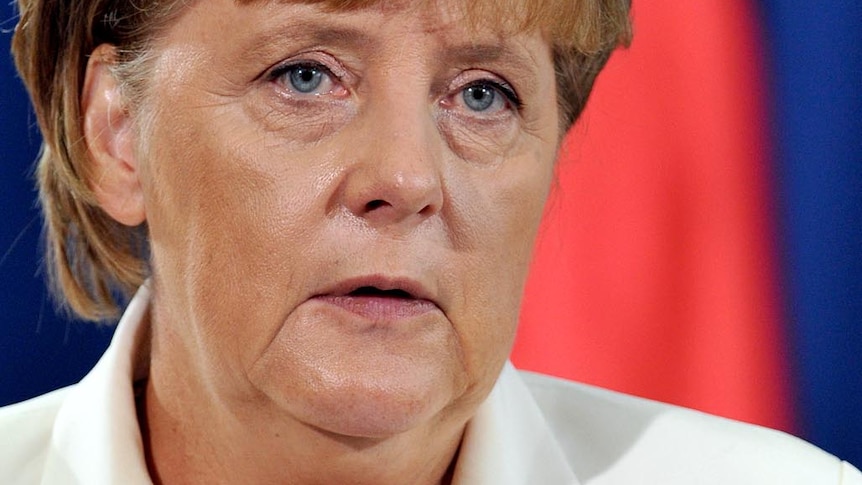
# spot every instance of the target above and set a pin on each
(464, 29)
(505, 17)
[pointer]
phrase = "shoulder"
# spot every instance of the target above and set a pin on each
(611, 437)
(25, 437)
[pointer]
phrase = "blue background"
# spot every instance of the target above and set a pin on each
(815, 63)
(815, 78)
(39, 350)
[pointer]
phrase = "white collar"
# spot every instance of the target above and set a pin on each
(509, 442)
(96, 438)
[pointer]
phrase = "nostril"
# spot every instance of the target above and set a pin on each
(428, 210)
(375, 204)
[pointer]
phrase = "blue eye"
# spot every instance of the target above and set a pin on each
(310, 80)
(479, 97)
(305, 78)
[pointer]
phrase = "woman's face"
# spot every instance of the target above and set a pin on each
(342, 207)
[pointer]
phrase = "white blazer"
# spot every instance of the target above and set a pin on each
(532, 430)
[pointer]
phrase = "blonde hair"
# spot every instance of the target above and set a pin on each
(94, 263)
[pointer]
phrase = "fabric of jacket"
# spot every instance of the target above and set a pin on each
(531, 430)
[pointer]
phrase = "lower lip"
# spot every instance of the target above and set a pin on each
(379, 308)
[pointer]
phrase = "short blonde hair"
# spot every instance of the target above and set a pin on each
(94, 263)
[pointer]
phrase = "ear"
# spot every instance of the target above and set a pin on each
(110, 136)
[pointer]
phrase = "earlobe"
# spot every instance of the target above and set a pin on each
(110, 136)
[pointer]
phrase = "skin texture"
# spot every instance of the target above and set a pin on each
(267, 207)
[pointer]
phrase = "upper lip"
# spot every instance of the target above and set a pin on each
(381, 282)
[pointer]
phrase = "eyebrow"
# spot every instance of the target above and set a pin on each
(519, 63)
(336, 35)
(312, 32)
(458, 54)
(495, 49)
(476, 53)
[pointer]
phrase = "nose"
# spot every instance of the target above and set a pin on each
(396, 178)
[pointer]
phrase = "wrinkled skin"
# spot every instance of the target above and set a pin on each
(342, 208)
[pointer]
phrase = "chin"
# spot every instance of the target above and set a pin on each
(368, 415)
(332, 371)
(364, 393)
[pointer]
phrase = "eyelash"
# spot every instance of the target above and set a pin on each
(502, 87)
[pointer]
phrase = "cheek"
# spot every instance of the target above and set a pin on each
(494, 215)
(495, 210)
(232, 217)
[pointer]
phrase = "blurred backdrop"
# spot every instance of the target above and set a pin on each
(703, 244)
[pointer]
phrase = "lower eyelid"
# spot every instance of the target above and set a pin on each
(331, 84)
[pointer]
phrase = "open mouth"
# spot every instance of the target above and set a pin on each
(373, 291)
(380, 299)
